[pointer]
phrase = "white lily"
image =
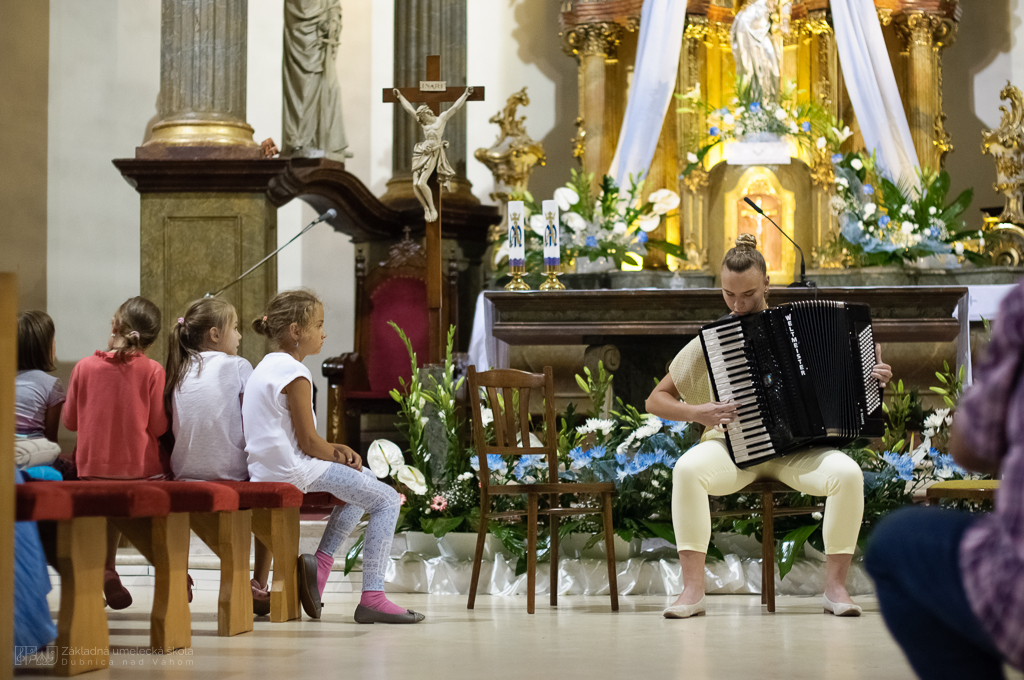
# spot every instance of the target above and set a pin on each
(566, 198)
(664, 200)
(619, 228)
(691, 157)
(869, 209)
(486, 417)
(780, 114)
(413, 479)
(856, 164)
(842, 135)
(728, 119)
(821, 142)
(384, 457)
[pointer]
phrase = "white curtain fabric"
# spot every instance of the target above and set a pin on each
(654, 81)
(872, 87)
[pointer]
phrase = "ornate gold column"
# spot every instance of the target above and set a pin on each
(202, 82)
(923, 36)
(595, 46)
(693, 189)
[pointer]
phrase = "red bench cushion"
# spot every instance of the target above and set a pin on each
(265, 494)
(42, 501)
(199, 496)
(117, 499)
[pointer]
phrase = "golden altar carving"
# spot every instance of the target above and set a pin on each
(602, 36)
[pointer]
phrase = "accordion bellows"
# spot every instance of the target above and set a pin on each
(801, 373)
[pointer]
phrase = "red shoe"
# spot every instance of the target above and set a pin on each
(260, 599)
(116, 594)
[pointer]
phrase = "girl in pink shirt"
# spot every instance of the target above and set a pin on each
(115, 403)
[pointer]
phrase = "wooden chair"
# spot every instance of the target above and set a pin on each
(767, 489)
(361, 381)
(510, 424)
(963, 489)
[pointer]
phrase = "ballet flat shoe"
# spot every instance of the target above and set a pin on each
(369, 615)
(685, 611)
(841, 608)
(309, 592)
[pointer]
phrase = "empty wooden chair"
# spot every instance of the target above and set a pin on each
(509, 394)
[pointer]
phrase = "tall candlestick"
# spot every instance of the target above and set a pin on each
(552, 249)
(516, 246)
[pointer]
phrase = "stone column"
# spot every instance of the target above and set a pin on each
(693, 189)
(201, 106)
(923, 37)
(595, 46)
(423, 28)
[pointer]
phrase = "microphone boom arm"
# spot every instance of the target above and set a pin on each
(804, 283)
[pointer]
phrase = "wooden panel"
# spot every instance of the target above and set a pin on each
(901, 314)
(8, 364)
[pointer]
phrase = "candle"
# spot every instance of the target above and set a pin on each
(552, 250)
(516, 244)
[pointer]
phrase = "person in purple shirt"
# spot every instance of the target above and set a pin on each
(951, 584)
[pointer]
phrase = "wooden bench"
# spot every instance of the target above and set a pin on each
(80, 510)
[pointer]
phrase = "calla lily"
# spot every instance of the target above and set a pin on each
(574, 221)
(501, 253)
(566, 198)
(413, 479)
(384, 458)
(664, 201)
(537, 224)
(649, 223)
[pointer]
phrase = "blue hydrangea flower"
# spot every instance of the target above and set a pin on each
(836, 157)
(868, 190)
(755, 107)
(805, 126)
(591, 241)
(883, 220)
(903, 464)
(642, 237)
(722, 111)
(714, 131)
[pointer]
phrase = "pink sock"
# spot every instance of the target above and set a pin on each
(324, 562)
(375, 599)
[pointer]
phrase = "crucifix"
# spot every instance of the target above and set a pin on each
(428, 157)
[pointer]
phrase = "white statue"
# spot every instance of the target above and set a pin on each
(429, 155)
(753, 49)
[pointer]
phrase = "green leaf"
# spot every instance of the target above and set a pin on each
(661, 530)
(714, 552)
(792, 546)
(439, 526)
(353, 555)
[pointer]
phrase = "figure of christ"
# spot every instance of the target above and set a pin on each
(515, 232)
(429, 154)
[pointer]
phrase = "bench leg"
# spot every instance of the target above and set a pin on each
(164, 542)
(278, 529)
(768, 551)
(229, 535)
(83, 640)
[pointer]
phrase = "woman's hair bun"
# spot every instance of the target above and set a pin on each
(746, 241)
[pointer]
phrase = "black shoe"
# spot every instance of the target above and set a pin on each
(309, 593)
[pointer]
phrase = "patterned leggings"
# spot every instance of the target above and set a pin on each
(362, 493)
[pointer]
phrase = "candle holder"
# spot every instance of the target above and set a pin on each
(517, 283)
(552, 282)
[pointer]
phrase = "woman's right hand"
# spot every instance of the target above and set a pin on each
(715, 413)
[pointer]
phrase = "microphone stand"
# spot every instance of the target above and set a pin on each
(329, 215)
(803, 282)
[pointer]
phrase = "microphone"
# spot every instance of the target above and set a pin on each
(803, 282)
(329, 215)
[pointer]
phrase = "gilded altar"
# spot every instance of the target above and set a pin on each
(601, 35)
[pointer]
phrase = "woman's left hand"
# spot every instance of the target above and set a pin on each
(881, 371)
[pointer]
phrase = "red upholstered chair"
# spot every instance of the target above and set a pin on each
(360, 381)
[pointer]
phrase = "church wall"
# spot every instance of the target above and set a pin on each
(515, 43)
(24, 52)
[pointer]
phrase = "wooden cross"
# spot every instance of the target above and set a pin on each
(432, 92)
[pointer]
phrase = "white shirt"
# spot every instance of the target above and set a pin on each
(206, 418)
(34, 393)
(273, 451)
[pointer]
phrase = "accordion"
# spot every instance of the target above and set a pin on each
(801, 374)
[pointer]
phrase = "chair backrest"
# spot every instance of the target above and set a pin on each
(508, 393)
(395, 290)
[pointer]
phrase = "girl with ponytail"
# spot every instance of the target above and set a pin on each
(115, 403)
(708, 470)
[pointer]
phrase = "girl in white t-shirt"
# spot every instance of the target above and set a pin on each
(203, 397)
(283, 446)
(38, 396)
